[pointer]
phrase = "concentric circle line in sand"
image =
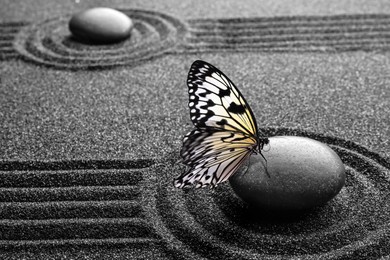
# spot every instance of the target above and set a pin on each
(218, 225)
(7, 36)
(49, 43)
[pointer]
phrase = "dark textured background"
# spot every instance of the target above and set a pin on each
(89, 143)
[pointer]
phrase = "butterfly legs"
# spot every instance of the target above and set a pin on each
(261, 142)
(266, 165)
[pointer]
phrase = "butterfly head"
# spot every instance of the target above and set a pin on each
(262, 141)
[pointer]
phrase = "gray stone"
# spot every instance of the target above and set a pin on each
(100, 25)
(302, 173)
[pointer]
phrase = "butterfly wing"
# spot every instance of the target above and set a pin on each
(216, 102)
(226, 130)
(212, 156)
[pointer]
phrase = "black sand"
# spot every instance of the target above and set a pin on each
(90, 135)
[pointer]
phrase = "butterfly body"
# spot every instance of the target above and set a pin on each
(226, 132)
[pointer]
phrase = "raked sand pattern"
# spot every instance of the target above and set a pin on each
(50, 43)
(133, 204)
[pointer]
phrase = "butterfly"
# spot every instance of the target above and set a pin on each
(225, 133)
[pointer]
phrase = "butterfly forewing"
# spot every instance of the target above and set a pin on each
(216, 102)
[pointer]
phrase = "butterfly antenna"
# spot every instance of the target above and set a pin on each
(280, 121)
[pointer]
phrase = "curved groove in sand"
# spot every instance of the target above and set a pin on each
(49, 43)
(218, 225)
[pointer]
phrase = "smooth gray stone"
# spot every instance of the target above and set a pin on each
(302, 173)
(100, 25)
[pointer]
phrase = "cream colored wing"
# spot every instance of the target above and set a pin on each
(213, 156)
(216, 102)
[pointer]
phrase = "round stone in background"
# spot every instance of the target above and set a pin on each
(100, 25)
(302, 173)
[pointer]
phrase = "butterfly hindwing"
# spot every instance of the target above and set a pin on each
(204, 143)
(212, 156)
(216, 102)
(202, 175)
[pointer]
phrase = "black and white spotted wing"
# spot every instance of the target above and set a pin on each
(226, 131)
(216, 102)
(212, 155)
